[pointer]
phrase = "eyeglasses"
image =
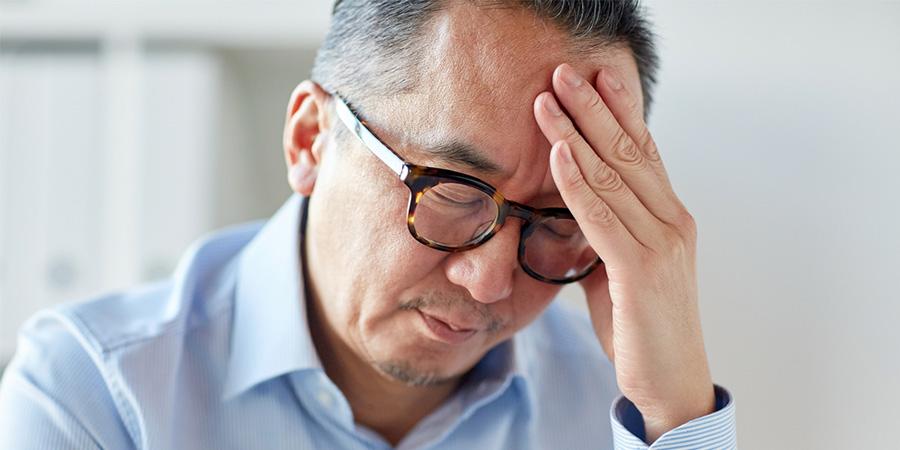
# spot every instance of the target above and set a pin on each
(454, 212)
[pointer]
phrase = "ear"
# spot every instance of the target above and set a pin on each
(305, 135)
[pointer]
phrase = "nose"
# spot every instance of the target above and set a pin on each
(488, 271)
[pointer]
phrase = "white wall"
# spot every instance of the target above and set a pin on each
(49, 197)
(779, 125)
(112, 160)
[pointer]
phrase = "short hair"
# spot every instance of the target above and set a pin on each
(372, 45)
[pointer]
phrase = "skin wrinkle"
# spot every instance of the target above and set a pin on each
(467, 155)
(468, 47)
(367, 266)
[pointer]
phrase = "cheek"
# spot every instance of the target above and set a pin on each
(362, 240)
(359, 210)
(408, 265)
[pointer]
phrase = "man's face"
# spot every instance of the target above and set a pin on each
(378, 288)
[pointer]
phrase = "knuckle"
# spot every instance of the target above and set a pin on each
(652, 152)
(687, 224)
(624, 149)
(600, 214)
(673, 242)
(594, 103)
(605, 179)
(574, 179)
(646, 143)
(677, 247)
(570, 134)
(672, 246)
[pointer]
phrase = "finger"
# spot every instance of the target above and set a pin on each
(629, 113)
(600, 177)
(600, 307)
(604, 232)
(602, 131)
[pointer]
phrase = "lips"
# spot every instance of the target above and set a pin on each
(445, 331)
(453, 324)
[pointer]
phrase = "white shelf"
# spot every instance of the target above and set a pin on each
(232, 24)
(176, 135)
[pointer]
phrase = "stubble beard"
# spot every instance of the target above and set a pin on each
(404, 372)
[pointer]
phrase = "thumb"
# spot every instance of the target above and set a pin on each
(596, 289)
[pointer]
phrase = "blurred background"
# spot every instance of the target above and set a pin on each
(129, 129)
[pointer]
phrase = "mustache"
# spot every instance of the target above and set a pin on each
(444, 302)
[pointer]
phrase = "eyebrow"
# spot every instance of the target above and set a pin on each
(464, 154)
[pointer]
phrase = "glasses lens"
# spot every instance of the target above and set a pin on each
(454, 215)
(558, 250)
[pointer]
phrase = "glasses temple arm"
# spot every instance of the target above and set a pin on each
(382, 151)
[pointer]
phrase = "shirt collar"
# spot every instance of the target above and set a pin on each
(501, 368)
(271, 335)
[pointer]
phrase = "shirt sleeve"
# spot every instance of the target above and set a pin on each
(52, 395)
(31, 419)
(713, 431)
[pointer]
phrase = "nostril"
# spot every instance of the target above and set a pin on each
(487, 272)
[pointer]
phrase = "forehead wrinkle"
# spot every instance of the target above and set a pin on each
(468, 155)
(479, 75)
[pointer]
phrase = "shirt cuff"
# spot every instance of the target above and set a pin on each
(716, 430)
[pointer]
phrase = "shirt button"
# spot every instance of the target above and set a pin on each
(325, 399)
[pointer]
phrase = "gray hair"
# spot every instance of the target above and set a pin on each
(371, 46)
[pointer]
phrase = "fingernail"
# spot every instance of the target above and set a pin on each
(568, 76)
(551, 106)
(611, 80)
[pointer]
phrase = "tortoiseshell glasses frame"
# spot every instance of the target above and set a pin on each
(420, 179)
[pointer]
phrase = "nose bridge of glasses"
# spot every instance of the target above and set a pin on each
(526, 213)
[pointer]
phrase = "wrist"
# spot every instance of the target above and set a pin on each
(658, 421)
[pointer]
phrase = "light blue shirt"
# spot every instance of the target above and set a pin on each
(220, 357)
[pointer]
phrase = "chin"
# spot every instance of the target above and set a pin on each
(407, 352)
(416, 374)
(424, 365)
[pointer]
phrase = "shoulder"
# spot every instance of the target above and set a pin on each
(83, 360)
(55, 388)
(195, 293)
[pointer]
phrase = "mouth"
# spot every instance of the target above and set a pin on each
(445, 332)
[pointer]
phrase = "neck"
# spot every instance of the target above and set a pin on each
(385, 405)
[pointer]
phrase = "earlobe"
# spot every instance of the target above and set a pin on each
(302, 176)
(304, 129)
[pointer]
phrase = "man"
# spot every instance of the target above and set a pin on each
(454, 163)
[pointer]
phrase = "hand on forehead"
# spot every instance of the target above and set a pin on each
(480, 75)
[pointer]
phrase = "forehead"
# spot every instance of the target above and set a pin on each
(480, 71)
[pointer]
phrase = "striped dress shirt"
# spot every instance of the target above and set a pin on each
(220, 356)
